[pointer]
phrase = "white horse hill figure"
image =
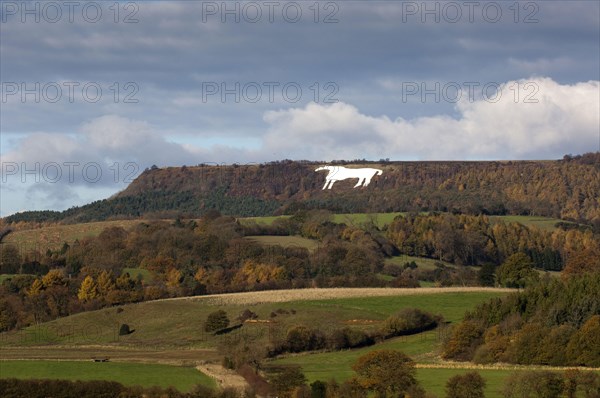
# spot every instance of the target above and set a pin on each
(337, 173)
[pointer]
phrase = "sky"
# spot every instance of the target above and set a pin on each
(93, 93)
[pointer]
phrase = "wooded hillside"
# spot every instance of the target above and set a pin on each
(566, 189)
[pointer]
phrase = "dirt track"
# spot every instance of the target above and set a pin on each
(278, 296)
(226, 378)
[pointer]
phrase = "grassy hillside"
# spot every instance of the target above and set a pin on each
(54, 236)
(178, 323)
(171, 330)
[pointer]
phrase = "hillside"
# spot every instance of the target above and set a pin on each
(566, 189)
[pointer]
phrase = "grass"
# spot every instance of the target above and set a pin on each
(267, 220)
(423, 347)
(176, 325)
(179, 323)
(422, 262)
(434, 380)
(379, 219)
(54, 236)
(285, 241)
(130, 374)
(4, 277)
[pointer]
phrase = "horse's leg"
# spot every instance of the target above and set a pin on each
(360, 180)
(326, 183)
(332, 181)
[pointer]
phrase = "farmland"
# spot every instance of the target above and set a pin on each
(54, 236)
(130, 374)
(285, 241)
(170, 332)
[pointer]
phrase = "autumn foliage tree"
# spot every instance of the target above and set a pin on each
(469, 385)
(88, 290)
(387, 373)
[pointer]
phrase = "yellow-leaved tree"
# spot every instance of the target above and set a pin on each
(88, 290)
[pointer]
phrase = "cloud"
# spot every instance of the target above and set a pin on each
(531, 119)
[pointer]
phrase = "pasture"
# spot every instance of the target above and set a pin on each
(178, 323)
(285, 241)
(54, 236)
(129, 374)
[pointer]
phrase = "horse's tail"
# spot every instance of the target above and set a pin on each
(378, 172)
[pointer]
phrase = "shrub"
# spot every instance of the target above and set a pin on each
(302, 338)
(215, 321)
(247, 314)
(408, 321)
(124, 330)
(469, 385)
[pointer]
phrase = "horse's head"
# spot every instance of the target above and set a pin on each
(322, 168)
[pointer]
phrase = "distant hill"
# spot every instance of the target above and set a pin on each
(566, 189)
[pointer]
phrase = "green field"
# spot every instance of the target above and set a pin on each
(179, 323)
(422, 262)
(176, 325)
(323, 367)
(267, 220)
(379, 219)
(130, 374)
(285, 241)
(434, 380)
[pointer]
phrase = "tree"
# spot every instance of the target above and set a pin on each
(584, 346)
(88, 290)
(386, 372)
(584, 261)
(288, 380)
(8, 316)
(469, 385)
(408, 321)
(318, 389)
(105, 283)
(36, 288)
(486, 274)
(466, 337)
(10, 259)
(302, 338)
(534, 384)
(173, 278)
(516, 271)
(54, 277)
(216, 321)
